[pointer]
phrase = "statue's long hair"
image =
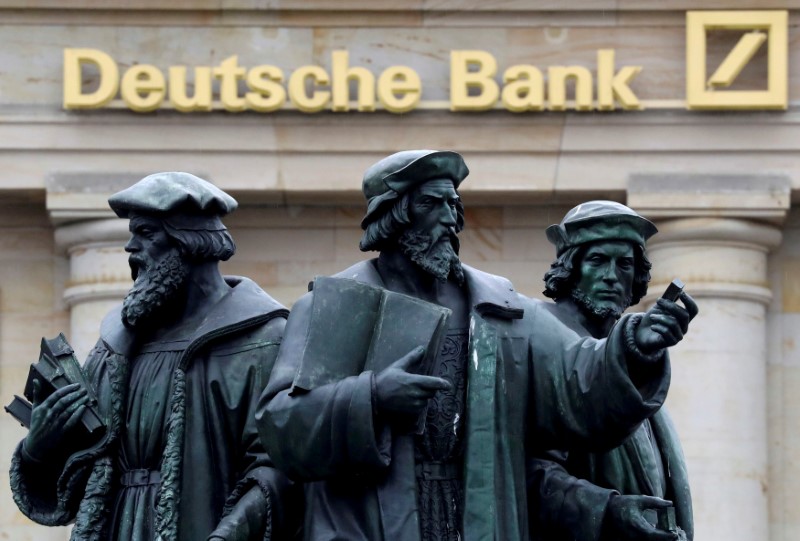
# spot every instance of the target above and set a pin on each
(563, 274)
(200, 245)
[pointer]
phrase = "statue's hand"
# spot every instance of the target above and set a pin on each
(625, 518)
(665, 324)
(53, 418)
(400, 391)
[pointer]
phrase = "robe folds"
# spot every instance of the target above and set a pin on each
(570, 491)
(529, 383)
(212, 457)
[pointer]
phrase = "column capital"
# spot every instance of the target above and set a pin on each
(95, 232)
(764, 198)
(717, 231)
(723, 258)
(97, 259)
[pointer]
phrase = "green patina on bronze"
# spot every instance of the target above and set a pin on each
(514, 378)
(621, 493)
(177, 372)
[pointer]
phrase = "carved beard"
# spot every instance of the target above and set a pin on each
(155, 291)
(592, 310)
(439, 257)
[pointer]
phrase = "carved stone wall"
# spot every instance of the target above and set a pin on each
(298, 177)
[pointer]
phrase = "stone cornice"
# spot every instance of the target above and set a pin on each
(708, 197)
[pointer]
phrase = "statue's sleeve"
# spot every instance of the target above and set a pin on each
(264, 504)
(50, 492)
(590, 394)
(562, 507)
(329, 430)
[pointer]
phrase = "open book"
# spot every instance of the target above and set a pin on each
(356, 327)
(57, 367)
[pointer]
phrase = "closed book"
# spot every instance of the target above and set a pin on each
(57, 367)
(20, 409)
(356, 327)
(405, 323)
(343, 315)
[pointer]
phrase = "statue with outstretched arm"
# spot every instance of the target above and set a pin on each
(601, 269)
(508, 378)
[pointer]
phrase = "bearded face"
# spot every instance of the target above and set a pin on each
(436, 256)
(597, 310)
(159, 272)
(430, 241)
(605, 282)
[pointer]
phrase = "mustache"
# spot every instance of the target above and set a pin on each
(137, 264)
(430, 252)
(449, 234)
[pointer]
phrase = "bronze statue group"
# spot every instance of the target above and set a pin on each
(410, 397)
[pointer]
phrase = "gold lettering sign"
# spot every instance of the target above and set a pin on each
(477, 82)
(762, 27)
(473, 87)
(144, 88)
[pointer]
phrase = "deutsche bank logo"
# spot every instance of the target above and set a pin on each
(706, 85)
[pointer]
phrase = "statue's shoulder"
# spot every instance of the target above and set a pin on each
(364, 271)
(114, 335)
(535, 307)
(493, 295)
(485, 279)
(245, 292)
(248, 301)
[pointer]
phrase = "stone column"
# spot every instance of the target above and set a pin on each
(715, 234)
(99, 275)
(93, 239)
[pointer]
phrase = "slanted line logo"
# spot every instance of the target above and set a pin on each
(766, 28)
(737, 59)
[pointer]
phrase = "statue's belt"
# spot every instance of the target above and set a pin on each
(438, 471)
(139, 478)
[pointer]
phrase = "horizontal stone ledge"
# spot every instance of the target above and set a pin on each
(106, 230)
(96, 292)
(710, 230)
(716, 290)
(765, 197)
(495, 132)
(609, 7)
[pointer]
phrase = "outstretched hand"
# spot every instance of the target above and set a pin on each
(625, 518)
(665, 323)
(53, 417)
(403, 392)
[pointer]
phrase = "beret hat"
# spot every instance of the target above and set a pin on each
(600, 220)
(395, 175)
(184, 200)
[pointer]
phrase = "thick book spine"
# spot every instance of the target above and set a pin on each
(57, 367)
(20, 409)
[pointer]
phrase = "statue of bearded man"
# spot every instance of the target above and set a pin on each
(501, 382)
(177, 371)
(601, 269)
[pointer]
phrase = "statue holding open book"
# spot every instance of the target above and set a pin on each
(154, 438)
(408, 392)
(410, 388)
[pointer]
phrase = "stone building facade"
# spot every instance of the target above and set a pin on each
(719, 184)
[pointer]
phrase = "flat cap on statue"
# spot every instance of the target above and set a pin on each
(600, 220)
(395, 175)
(185, 200)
